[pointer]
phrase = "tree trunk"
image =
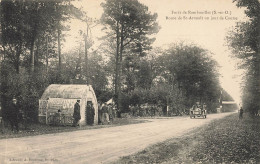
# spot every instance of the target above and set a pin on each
(86, 56)
(59, 49)
(79, 65)
(32, 56)
(33, 39)
(47, 53)
(17, 62)
(120, 67)
(258, 55)
(117, 59)
(36, 60)
(258, 62)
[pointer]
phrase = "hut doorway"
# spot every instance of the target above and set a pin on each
(90, 113)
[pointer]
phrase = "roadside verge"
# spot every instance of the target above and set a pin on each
(227, 140)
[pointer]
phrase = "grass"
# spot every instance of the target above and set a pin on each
(228, 140)
(39, 129)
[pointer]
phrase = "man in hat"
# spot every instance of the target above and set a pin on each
(76, 114)
(13, 114)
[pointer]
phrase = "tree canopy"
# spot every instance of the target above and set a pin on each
(129, 23)
(125, 66)
(244, 41)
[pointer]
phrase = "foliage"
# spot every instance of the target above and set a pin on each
(129, 23)
(125, 67)
(97, 72)
(154, 95)
(24, 88)
(177, 77)
(192, 71)
(245, 44)
(232, 140)
(28, 29)
(24, 24)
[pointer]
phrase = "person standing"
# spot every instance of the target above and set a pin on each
(204, 108)
(90, 113)
(58, 118)
(241, 111)
(105, 115)
(114, 111)
(100, 113)
(13, 114)
(76, 114)
(110, 113)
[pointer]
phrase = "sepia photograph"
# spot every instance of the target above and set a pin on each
(129, 81)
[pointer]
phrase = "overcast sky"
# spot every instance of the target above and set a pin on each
(209, 33)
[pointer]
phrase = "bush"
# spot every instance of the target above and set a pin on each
(27, 88)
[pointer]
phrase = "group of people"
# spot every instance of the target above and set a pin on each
(106, 113)
(90, 113)
(201, 108)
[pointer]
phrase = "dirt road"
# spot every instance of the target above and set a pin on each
(96, 145)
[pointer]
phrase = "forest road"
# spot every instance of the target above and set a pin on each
(97, 145)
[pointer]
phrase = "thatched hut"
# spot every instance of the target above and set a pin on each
(62, 98)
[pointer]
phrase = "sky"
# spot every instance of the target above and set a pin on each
(201, 22)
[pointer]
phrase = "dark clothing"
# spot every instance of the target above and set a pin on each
(76, 114)
(105, 109)
(13, 116)
(241, 111)
(99, 114)
(90, 115)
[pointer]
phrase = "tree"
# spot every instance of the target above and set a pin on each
(13, 31)
(180, 76)
(25, 25)
(244, 41)
(97, 72)
(130, 23)
(191, 69)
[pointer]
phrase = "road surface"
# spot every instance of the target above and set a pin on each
(96, 145)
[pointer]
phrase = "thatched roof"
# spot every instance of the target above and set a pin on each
(65, 91)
